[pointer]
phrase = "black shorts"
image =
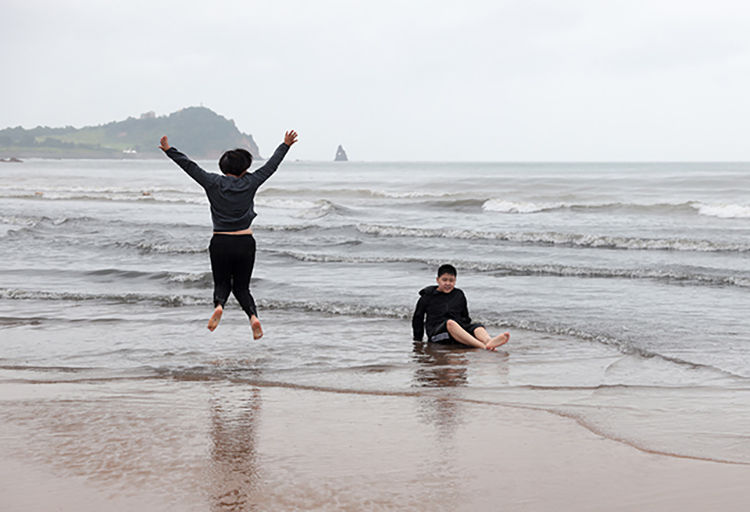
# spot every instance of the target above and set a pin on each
(441, 333)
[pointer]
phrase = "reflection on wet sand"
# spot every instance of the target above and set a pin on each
(234, 453)
(439, 365)
(447, 367)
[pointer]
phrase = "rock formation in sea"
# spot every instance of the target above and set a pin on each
(340, 155)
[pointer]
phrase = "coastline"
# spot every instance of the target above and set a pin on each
(165, 444)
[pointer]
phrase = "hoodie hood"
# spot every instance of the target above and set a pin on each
(428, 290)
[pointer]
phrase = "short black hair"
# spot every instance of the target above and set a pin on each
(447, 269)
(235, 161)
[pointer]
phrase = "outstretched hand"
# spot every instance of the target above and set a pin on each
(290, 137)
(164, 143)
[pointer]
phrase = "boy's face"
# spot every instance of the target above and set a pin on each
(446, 283)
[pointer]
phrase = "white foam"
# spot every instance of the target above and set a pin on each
(502, 206)
(288, 204)
(556, 238)
(724, 211)
(355, 192)
(320, 209)
(408, 195)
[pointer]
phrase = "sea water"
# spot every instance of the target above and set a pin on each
(625, 286)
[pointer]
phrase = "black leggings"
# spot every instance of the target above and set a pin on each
(232, 260)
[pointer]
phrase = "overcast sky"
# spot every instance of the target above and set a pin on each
(493, 80)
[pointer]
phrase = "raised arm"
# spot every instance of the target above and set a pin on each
(263, 173)
(193, 170)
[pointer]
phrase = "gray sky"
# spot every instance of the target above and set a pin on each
(394, 80)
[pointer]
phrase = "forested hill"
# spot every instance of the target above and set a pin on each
(198, 131)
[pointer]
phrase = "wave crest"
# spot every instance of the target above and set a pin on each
(562, 239)
(723, 211)
(693, 276)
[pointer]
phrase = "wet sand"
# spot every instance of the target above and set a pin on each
(164, 444)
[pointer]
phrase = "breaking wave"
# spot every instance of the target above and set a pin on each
(725, 211)
(149, 194)
(162, 300)
(695, 276)
(562, 239)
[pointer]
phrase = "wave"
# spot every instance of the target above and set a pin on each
(193, 280)
(161, 300)
(31, 221)
(176, 247)
(270, 197)
(126, 274)
(724, 211)
(9, 321)
(185, 245)
(306, 209)
(503, 206)
(294, 204)
(108, 197)
(31, 225)
(144, 237)
(688, 276)
(189, 279)
(559, 239)
(146, 247)
(17, 220)
(353, 193)
(87, 225)
(288, 227)
(321, 209)
(116, 194)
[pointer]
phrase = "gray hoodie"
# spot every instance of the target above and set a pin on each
(232, 198)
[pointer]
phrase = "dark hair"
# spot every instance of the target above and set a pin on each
(235, 161)
(447, 269)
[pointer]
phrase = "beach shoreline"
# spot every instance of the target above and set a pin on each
(218, 445)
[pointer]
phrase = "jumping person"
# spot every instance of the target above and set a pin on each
(232, 247)
(448, 318)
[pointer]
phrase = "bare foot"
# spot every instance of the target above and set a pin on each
(257, 329)
(213, 322)
(498, 341)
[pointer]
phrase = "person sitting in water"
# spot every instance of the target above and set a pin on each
(232, 247)
(447, 314)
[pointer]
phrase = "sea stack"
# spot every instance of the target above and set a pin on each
(340, 155)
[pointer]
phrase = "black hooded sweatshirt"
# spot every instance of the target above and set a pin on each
(232, 198)
(439, 308)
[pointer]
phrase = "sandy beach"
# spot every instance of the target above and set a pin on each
(155, 445)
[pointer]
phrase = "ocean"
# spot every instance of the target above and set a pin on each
(625, 288)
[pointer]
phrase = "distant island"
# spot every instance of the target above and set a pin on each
(199, 131)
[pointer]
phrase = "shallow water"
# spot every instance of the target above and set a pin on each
(624, 286)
